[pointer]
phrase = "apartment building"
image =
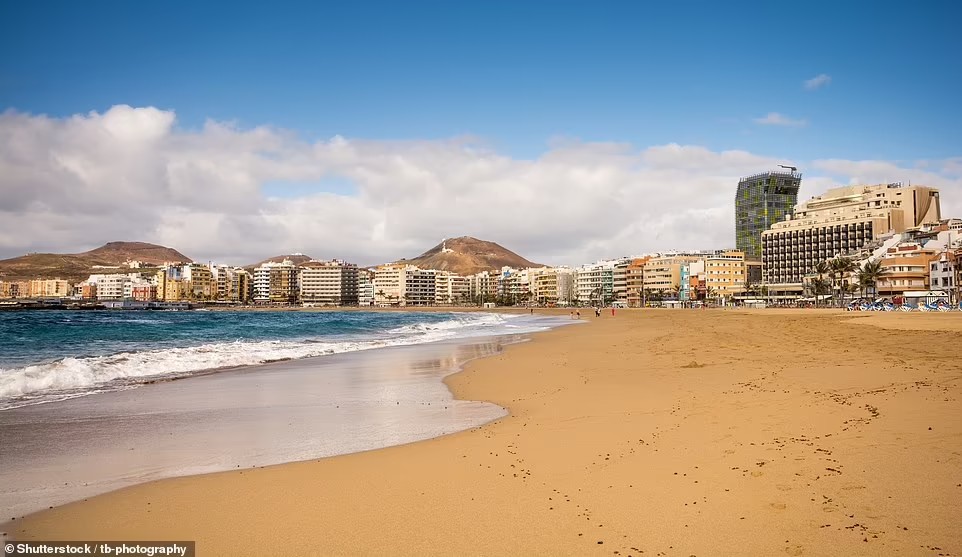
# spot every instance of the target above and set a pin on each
(14, 289)
(50, 288)
(484, 287)
(365, 287)
(514, 285)
(725, 274)
(390, 284)
(143, 292)
(840, 221)
(907, 268)
(86, 290)
(283, 284)
(635, 281)
(419, 287)
(944, 273)
(619, 281)
(231, 284)
(198, 282)
(451, 288)
(170, 284)
(333, 283)
(594, 283)
(691, 283)
(276, 283)
(551, 286)
(112, 287)
(662, 273)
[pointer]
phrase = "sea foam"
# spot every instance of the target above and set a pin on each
(74, 376)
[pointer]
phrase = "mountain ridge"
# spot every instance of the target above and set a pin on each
(76, 266)
(467, 255)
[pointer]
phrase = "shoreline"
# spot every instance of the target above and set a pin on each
(435, 360)
(674, 432)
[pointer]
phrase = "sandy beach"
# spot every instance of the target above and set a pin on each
(652, 432)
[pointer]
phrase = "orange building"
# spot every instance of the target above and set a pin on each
(635, 279)
(906, 269)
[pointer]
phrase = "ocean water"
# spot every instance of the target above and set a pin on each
(47, 356)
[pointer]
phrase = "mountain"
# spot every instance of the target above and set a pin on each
(467, 256)
(76, 266)
(295, 258)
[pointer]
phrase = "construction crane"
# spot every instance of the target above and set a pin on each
(792, 168)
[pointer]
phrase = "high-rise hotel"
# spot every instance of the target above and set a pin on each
(837, 222)
(761, 201)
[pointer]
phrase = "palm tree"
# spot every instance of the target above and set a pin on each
(709, 293)
(821, 269)
(871, 272)
(819, 285)
(646, 296)
(839, 269)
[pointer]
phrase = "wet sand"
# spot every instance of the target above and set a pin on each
(288, 411)
(655, 432)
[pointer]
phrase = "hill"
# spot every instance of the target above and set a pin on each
(467, 256)
(295, 258)
(76, 266)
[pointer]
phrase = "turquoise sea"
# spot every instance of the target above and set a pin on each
(53, 355)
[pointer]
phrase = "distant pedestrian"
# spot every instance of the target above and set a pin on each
(598, 312)
(577, 314)
(612, 311)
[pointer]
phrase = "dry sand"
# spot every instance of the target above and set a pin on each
(656, 432)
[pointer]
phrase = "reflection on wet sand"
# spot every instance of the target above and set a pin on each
(269, 414)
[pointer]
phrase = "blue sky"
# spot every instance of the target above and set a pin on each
(516, 74)
(368, 131)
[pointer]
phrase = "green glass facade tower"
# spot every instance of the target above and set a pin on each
(762, 200)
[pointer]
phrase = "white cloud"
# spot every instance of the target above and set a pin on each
(776, 119)
(74, 183)
(818, 81)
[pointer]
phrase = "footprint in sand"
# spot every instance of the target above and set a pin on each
(778, 506)
(757, 473)
(783, 487)
(795, 550)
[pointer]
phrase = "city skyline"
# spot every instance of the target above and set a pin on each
(568, 133)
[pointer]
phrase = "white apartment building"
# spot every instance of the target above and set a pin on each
(514, 285)
(451, 288)
(116, 286)
(333, 283)
(275, 282)
(365, 287)
(619, 286)
(484, 287)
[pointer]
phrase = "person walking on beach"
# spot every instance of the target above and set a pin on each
(598, 312)
(577, 314)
